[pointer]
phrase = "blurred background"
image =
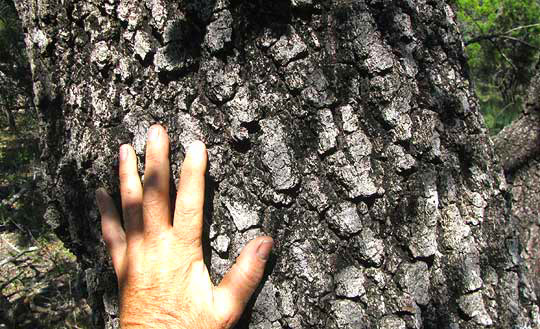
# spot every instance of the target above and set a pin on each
(502, 44)
(39, 282)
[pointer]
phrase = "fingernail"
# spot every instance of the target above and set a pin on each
(123, 152)
(196, 147)
(153, 133)
(263, 251)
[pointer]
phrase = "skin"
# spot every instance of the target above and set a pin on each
(158, 258)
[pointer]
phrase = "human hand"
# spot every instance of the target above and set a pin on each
(158, 260)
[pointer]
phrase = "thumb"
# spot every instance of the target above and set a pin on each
(243, 278)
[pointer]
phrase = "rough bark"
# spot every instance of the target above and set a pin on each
(344, 129)
(519, 147)
(519, 143)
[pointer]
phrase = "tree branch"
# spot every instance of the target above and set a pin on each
(11, 259)
(504, 35)
(491, 37)
(521, 27)
(520, 41)
(482, 38)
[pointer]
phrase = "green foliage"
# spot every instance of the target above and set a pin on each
(36, 288)
(13, 60)
(19, 154)
(18, 149)
(503, 45)
(15, 74)
(9, 31)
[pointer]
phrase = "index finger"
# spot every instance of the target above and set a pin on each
(188, 212)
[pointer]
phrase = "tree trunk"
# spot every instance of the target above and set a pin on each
(519, 148)
(344, 129)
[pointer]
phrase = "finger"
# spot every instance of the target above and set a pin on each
(243, 278)
(156, 203)
(130, 193)
(188, 213)
(111, 229)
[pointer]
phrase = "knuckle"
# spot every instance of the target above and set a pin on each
(193, 241)
(128, 185)
(132, 210)
(228, 320)
(153, 156)
(151, 200)
(153, 208)
(128, 190)
(188, 237)
(109, 241)
(248, 275)
(124, 175)
(156, 214)
(190, 242)
(113, 240)
(188, 212)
